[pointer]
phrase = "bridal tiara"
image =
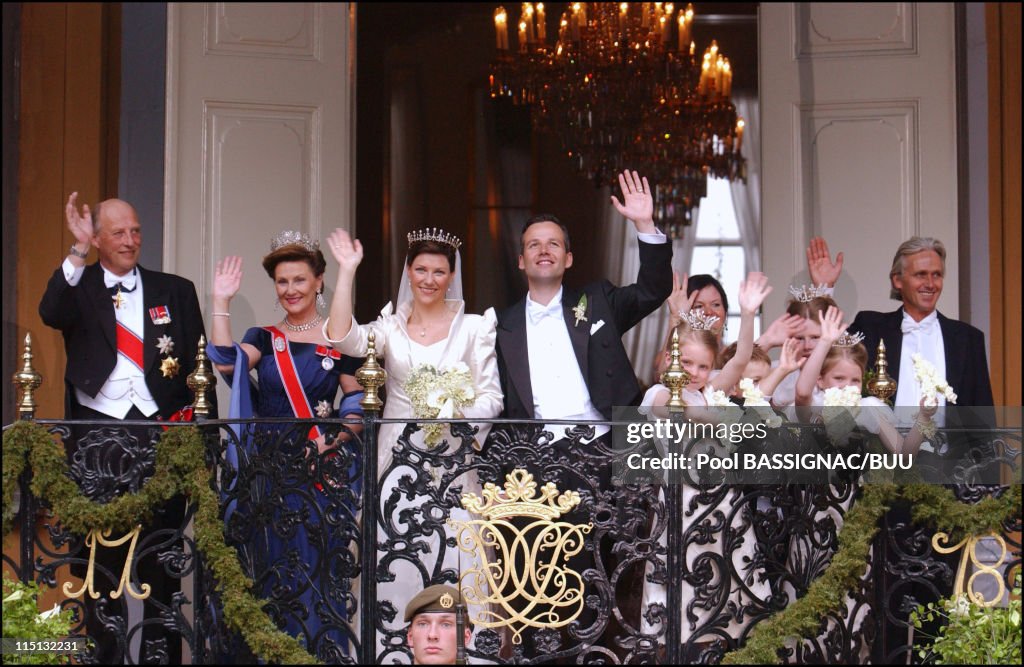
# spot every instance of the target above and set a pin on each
(698, 321)
(436, 235)
(848, 340)
(291, 237)
(805, 293)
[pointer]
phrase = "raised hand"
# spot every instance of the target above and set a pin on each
(347, 251)
(832, 325)
(753, 291)
(820, 265)
(677, 301)
(637, 200)
(80, 224)
(784, 327)
(227, 279)
(790, 357)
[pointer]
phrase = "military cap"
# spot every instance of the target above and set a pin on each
(436, 599)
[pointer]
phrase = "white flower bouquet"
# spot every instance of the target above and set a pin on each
(717, 399)
(840, 411)
(753, 398)
(437, 394)
(930, 382)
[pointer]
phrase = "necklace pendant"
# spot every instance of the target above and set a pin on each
(423, 333)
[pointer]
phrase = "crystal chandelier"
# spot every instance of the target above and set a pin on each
(621, 87)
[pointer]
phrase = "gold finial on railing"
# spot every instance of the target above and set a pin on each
(882, 385)
(371, 376)
(674, 377)
(28, 380)
(201, 381)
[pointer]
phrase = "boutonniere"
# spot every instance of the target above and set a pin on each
(580, 310)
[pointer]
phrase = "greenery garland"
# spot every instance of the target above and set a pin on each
(180, 468)
(931, 504)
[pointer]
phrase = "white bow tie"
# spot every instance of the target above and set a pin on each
(924, 326)
(127, 282)
(538, 312)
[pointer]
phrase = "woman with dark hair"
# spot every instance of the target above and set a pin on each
(299, 376)
(426, 334)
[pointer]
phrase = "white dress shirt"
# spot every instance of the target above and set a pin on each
(924, 338)
(126, 385)
(559, 388)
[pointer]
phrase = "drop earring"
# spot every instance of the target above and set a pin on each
(321, 303)
(277, 304)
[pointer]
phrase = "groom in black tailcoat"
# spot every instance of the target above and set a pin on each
(560, 356)
(560, 351)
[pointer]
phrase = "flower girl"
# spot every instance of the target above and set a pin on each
(836, 369)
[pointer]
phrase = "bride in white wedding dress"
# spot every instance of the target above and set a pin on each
(428, 326)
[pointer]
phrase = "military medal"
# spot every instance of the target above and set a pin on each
(165, 344)
(169, 367)
(329, 355)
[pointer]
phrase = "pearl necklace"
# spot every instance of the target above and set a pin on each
(303, 327)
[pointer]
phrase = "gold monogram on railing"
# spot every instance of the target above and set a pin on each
(92, 540)
(522, 580)
(970, 547)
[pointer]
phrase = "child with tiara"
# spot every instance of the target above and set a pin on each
(698, 348)
(807, 303)
(721, 574)
(834, 373)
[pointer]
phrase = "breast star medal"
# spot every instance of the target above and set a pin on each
(323, 409)
(170, 367)
(580, 310)
(165, 344)
(118, 298)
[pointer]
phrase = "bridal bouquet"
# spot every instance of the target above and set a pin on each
(753, 398)
(437, 394)
(930, 382)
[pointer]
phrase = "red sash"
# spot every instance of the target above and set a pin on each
(130, 345)
(290, 379)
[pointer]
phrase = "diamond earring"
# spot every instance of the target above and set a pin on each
(321, 303)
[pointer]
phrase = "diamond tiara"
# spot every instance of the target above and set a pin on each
(698, 321)
(806, 293)
(436, 235)
(291, 237)
(848, 340)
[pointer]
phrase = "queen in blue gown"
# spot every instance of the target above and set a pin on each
(291, 510)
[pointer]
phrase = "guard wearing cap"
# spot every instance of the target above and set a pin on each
(431, 616)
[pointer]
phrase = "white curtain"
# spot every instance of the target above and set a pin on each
(746, 197)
